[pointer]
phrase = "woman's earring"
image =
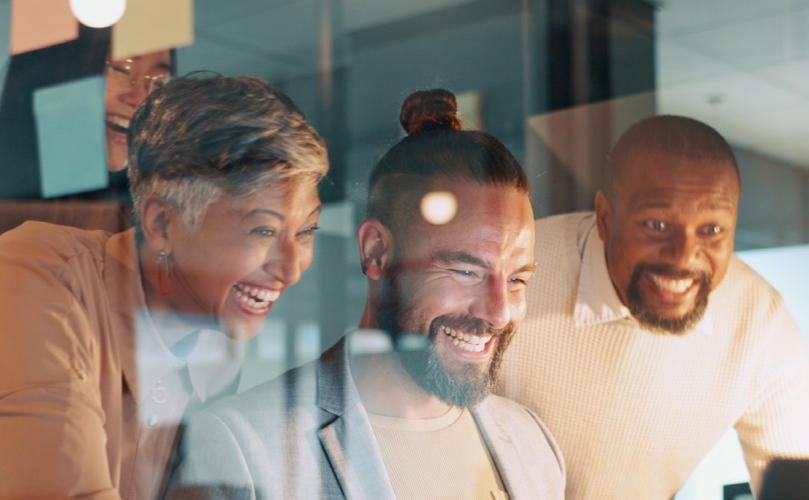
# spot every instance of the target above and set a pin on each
(164, 274)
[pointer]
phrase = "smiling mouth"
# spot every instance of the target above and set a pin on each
(117, 123)
(671, 285)
(254, 298)
(466, 341)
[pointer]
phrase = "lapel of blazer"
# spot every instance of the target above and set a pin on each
(348, 439)
(520, 482)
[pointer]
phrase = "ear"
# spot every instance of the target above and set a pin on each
(155, 216)
(376, 248)
(603, 216)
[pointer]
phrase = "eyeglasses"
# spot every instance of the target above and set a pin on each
(122, 73)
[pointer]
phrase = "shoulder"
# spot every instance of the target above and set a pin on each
(558, 233)
(51, 243)
(747, 297)
(288, 396)
(554, 223)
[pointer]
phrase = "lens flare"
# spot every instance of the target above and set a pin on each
(439, 207)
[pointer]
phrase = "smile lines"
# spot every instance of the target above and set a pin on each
(466, 341)
(255, 297)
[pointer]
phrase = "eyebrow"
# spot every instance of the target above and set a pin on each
(528, 268)
(257, 211)
(449, 257)
(446, 258)
(717, 205)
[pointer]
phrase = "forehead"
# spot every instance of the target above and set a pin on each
(160, 59)
(491, 222)
(652, 178)
(284, 196)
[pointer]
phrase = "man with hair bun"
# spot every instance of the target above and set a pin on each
(401, 407)
(646, 338)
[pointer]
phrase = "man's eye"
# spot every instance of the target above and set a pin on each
(656, 225)
(262, 231)
(711, 230)
(463, 272)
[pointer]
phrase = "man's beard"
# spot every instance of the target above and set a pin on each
(466, 385)
(647, 317)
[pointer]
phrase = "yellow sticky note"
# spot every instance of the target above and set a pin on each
(151, 25)
(41, 23)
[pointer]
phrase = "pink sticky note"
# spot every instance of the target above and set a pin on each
(41, 23)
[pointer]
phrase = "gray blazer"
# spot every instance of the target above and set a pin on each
(306, 435)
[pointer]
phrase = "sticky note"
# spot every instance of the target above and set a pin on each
(151, 25)
(71, 137)
(41, 23)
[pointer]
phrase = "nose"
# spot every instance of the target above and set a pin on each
(493, 306)
(136, 94)
(681, 249)
(284, 262)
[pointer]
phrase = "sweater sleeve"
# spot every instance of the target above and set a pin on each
(52, 438)
(776, 423)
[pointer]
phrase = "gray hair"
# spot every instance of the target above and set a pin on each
(205, 137)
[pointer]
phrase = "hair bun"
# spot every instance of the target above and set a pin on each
(428, 109)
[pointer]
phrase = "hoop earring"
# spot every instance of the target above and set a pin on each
(164, 274)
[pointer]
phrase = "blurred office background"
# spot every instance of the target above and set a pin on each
(557, 81)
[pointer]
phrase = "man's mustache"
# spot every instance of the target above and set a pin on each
(670, 271)
(472, 325)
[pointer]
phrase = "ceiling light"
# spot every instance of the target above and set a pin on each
(98, 13)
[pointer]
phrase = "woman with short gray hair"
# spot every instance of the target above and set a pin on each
(107, 340)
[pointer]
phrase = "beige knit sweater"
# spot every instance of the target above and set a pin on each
(635, 411)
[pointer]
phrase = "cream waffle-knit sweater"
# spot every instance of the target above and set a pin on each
(635, 411)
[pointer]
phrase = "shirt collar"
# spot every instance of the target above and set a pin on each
(596, 299)
(214, 361)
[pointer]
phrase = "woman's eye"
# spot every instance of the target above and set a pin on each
(262, 231)
(310, 230)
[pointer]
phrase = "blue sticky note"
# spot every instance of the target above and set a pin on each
(71, 136)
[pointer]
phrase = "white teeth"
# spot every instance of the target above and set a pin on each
(118, 120)
(466, 341)
(672, 285)
(254, 296)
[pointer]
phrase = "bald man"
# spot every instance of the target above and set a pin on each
(646, 339)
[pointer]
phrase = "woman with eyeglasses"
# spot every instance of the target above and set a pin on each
(128, 83)
(107, 341)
